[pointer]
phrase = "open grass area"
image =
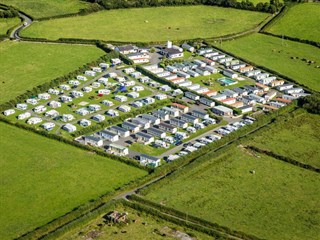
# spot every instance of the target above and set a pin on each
(296, 137)
(47, 8)
(141, 226)
(6, 23)
(279, 201)
(146, 149)
(301, 21)
(26, 65)
(215, 85)
(283, 56)
(42, 179)
(149, 24)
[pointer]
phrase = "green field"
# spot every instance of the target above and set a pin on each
(46, 8)
(301, 21)
(26, 65)
(296, 137)
(149, 24)
(42, 179)
(277, 54)
(279, 201)
(6, 23)
(141, 226)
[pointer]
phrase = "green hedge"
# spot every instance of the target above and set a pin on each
(184, 217)
(284, 159)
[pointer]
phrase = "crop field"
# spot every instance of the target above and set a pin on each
(278, 196)
(297, 138)
(42, 179)
(6, 23)
(141, 226)
(26, 65)
(149, 24)
(301, 21)
(286, 57)
(46, 8)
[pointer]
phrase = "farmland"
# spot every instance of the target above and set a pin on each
(46, 8)
(280, 197)
(141, 226)
(23, 67)
(39, 183)
(286, 57)
(149, 24)
(6, 23)
(301, 21)
(282, 139)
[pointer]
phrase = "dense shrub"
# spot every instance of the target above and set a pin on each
(311, 103)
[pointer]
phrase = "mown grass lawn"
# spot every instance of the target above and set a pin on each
(278, 54)
(301, 21)
(47, 8)
(149, 24)
(146, 149)
(141, 226)
(279, 201)
(296, 137)
(42, 179)
(6, 23)
(215, 85)
(26, 65)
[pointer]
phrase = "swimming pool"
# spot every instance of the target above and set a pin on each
(227, 81)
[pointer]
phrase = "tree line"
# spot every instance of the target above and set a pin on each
(270, 7)
(311, 103)
(8, 12)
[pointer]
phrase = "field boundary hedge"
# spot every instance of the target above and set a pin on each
(181, 215)
(284, 159)
(265, 29)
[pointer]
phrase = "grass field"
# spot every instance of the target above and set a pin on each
(301, 21)
(276, 54)
(41, 179)
(144, 227)
(296, 137)
(149, 24)
(279, 201)
(46, 8)
(26, 65)
(6, 23)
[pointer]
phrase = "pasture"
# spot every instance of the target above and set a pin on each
(301, 21)
(6, 23)
(26, 65)
(42, 179)
(280, 197)
(286, 57)
(149, 24)
(141, 226)
(46, 8)
(296, 137)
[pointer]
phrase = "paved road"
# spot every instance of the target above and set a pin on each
(15, 33)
